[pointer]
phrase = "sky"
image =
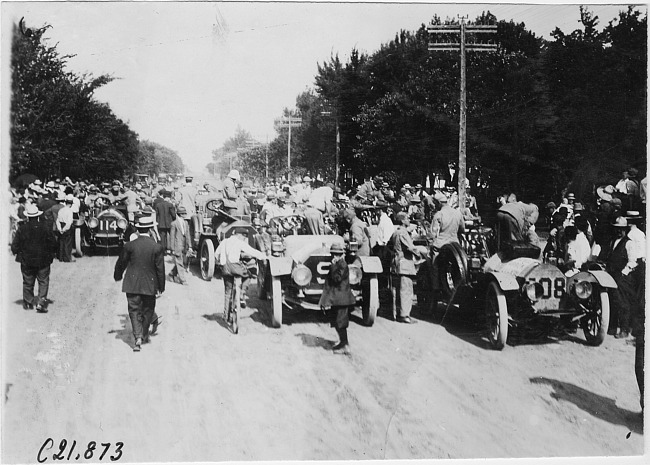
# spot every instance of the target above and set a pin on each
(188, 74)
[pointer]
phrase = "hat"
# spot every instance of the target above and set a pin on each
(419, 186)
(633, 172)
(306, 179)
(571, 196)
(620, 222)
(234, 174)
(50, 184)
(145, 222)
(578, 207)
(189, 178)
(181, 210)
(93, 188)
(401, 216)
(38, 182)
(31, 210)
(384, 184)
(553, 206)
(69, 198)
(633, 215)
(605, 192)
(440, 197)
(60, 196)
(138, 185)
(337, 249)
(617, 202)
(271, 195)
(406, 186)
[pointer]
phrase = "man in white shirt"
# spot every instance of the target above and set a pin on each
(229, 256)
(270, 209)
(321, 198)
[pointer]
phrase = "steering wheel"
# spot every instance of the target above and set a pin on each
(214, 205)
(100, 202)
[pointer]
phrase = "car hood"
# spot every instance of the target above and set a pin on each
(517, 267)
(299, 248)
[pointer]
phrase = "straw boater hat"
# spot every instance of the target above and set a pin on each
(145, 222)
(32, 211)
(633, 216)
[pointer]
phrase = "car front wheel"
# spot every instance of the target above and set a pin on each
(496, 314)
(595, 323)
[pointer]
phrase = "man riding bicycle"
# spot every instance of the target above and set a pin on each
(231, 254)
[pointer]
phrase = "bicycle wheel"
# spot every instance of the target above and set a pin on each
(234, 312)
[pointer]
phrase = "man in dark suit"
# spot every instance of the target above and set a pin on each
(337, 297)
(165, 214)
(34, 245)
(143, 259)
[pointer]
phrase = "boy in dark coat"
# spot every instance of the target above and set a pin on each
(337, 297)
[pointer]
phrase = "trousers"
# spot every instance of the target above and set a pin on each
(30, 275)
(402, 290)
(142, 311)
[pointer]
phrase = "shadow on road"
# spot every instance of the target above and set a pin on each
(125, 333)
(594, 404)
(316, 341)
(218, 317)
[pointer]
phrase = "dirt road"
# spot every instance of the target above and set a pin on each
(200, 393)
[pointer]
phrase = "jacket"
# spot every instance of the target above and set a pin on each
(180, 239)
(34, 243)
(337, 291)
(143, 260)
(404, 251)
(165, 214)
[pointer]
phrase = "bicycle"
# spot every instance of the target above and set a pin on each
(232, 315)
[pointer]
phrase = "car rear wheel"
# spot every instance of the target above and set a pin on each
(207, 260)
(261, 287)
(78, 243)
(452, 269)
(496, 315)
(372, 305)
(595, 323)
(276, 301)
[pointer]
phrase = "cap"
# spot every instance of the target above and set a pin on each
(306, 179)
(69, 198)
(440, 197)
(181, 210)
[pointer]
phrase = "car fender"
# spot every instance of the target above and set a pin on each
(371, 264)
(602, 278)
(280, 266)
(505, 281)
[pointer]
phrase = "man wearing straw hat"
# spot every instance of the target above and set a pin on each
(34, 246)
(143, 259)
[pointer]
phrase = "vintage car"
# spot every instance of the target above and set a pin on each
(295, 271)
(514, 288)
(207, 229)
(104, 227)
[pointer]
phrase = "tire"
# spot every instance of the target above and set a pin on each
(496, 316)
(261, 281)
(452, 268)
(236, 306)
(595, 324)
(206, 260)
(276, 301)
(370, 308)
(78, 242)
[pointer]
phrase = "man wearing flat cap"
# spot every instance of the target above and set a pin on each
(142, 264)
(179, 245)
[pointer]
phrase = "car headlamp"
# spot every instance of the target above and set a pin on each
(121, 223)
(355, 274)
(534, 291)
(93, 223)
(583, 289)
(353, 246)
(301, 275)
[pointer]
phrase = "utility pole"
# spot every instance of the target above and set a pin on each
(288, 122)
(462, 29)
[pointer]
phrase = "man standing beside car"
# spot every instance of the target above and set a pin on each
(143, 260)
(165, 214)
(179, 244)
(402, 268)
(34, 246)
